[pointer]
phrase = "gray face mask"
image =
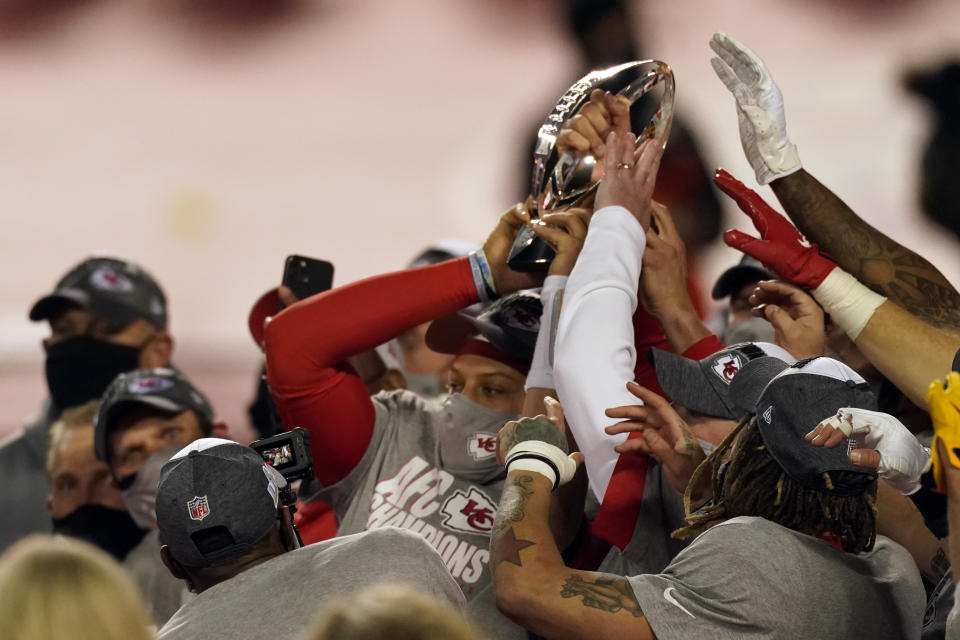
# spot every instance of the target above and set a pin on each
(749, 330)
(425, 385)
(140, 490)
(468, 439)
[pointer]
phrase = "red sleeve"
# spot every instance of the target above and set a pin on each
(707, 346)
(647, 333)
(306, 346)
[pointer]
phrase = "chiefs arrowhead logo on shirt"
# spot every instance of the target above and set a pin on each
(470, 512)
(726, 367)
(482, 446)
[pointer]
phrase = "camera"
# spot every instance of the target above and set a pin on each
(287, 452)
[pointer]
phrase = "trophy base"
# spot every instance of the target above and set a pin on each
(530, 254)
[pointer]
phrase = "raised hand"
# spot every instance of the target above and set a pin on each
(763, 125)
(585, 132)
(497, 248)
(886, 445)
(796, 317)
(663, 278)
(565, 232)
(538, 432)
(630, 176)
(666, 436)
(780, 247)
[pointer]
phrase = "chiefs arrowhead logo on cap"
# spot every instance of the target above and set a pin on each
(726, 367)
(149, 385)
(108, 279)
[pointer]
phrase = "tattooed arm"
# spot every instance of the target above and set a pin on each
(877, 261)
(536, 589)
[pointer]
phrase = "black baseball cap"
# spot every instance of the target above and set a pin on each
(110, 288)
(793, 401)
(166, 390)
(216, 500)
(510, 324)
(704, 385)
(748, 270)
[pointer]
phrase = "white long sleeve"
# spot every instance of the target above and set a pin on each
(595, 353)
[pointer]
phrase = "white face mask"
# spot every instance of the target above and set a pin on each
(140, 495)
(468, 439)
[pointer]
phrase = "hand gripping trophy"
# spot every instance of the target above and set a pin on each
(565, 171)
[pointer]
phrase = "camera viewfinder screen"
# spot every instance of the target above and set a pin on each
(278, 457)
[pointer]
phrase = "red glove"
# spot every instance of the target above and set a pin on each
(780, 247)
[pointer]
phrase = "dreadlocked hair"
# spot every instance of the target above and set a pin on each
(754, 484)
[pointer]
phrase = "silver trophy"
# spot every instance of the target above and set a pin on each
(562, 178)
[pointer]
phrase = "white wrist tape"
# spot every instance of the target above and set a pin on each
(541, 367)
(536, 466)
(849, 303)
(540, 457)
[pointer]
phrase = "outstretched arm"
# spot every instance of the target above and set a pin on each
(308, 343)
(533, 586)
(876, 325)
(887, 267)
(877, 261)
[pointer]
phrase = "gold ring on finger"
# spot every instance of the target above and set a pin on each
(624, 165)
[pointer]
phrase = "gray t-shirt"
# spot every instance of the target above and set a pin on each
(162, 593)
(651, 548)
(23, 476)
(284, 596)
(400, 482)
(752, 578)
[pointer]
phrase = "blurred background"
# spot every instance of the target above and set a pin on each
(208, 139)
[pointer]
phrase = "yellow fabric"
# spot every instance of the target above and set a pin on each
(943, 399)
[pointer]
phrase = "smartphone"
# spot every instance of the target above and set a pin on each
(307, 276)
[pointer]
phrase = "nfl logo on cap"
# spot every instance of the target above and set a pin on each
(198, 508)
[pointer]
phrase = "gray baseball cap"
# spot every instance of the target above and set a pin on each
(796, 399)
(216, 500)
(115, 290)
(166, 390)
(704, 385)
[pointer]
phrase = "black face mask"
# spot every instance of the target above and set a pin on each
(80, 369)
(113, 530)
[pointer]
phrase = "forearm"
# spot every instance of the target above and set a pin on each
(536, 589)
(308, 343)
(327, 328)
(683, 327)
(900, 520)
(908, 351)
(879, 262)
(595, 354)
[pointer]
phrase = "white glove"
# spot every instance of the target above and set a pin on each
(902, 458)
(763, 126)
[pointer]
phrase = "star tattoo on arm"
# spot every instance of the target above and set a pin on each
(508, 548)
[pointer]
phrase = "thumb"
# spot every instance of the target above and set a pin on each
(554, 411)
(577, 458)
(866, 458)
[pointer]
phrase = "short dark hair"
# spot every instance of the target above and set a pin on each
(755, 485)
